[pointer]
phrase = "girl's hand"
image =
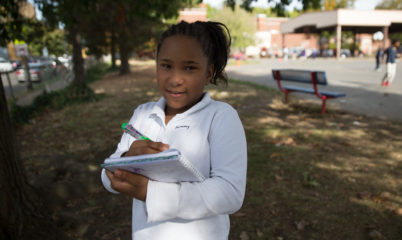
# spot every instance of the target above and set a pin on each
(130, 184)
(140, 147)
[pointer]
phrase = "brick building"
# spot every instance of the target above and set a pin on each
(271, 40)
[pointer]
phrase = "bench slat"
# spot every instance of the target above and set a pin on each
(311, 91)
(302, 76)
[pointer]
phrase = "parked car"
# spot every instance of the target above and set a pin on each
(345, 53)
(239, 56)
(35, 69)
(5, 66)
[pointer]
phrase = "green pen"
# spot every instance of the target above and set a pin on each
(128, 128)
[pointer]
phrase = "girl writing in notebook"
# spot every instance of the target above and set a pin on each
(208, 133)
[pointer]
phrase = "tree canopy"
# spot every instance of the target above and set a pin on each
(238, 21)
(279, 6)
(390, 4)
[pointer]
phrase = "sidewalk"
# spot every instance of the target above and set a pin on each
(28, 98)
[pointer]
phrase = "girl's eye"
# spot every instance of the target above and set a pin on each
(166, 66)
(189, 68)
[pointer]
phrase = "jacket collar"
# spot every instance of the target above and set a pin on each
(159, 108)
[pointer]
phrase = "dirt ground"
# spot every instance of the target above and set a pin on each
(310, 176)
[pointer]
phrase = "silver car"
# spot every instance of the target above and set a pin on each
(35, 70)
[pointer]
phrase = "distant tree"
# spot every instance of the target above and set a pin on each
(267, 11)
(238, 21)
(56, 42)
(279, 6)
(390, 4)
(10, 21)
(335, 4)
(73, 15)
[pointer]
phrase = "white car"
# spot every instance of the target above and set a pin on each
(5, 66)
(35, 70)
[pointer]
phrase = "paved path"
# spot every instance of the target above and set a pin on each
(355, 77)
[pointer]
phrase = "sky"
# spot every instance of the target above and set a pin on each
(359, 4)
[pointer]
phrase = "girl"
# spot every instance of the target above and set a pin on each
(208, 133)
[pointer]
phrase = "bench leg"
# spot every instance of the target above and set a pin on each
(323, 105)
(286, 96)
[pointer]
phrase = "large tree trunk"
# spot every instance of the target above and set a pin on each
(22, 214)
(113, 49)
(124, 54)
(78, 61)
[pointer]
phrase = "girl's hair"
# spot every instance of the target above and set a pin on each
(214, 38)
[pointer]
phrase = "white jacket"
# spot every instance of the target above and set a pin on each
(210, 135)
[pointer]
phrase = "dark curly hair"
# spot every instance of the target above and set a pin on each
(214, 38)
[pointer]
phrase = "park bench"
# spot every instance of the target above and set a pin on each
(312, 78)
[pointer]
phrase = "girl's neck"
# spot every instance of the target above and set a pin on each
(168, 118)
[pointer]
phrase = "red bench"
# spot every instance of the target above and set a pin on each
(312, 78)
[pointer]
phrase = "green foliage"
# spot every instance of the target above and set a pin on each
(211, 11)
(238, 21)
(390, 4)
(10, 21)
(335, 4)
(267, 11)
(59, 99)
(309, 180)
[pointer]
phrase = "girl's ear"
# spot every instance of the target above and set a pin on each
(210, 74)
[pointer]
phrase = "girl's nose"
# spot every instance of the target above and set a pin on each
(175, 79)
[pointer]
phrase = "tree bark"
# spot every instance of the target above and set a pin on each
(78, 61)
(113, 49)
(124, 54)
(22, 214)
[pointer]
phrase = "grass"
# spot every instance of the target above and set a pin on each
(309, 176)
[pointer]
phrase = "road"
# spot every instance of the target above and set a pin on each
(355, 77)
(16, 86)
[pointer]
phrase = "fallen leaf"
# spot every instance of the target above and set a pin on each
(301, 225)
(274, 155)
(398, 211)
(363, 195)
(278, 178)
(239, 214)
(244, 236)
(375, 235)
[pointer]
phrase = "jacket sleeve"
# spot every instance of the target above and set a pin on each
(122, 147)
(221, 193)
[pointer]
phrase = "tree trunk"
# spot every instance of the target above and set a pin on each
(78, 61)
(27, 72)
(124, 54)
(113, 49)
(22, 214)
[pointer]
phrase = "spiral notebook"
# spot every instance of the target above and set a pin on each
(166, 166)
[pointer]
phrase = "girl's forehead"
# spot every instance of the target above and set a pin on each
(181, 46)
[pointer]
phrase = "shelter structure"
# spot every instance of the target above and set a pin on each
(357, 21)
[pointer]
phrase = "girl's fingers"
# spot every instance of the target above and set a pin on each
(158, 146)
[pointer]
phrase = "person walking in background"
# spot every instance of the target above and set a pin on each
(379, 58)
(391, 52)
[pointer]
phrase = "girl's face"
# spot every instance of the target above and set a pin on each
(182, 73)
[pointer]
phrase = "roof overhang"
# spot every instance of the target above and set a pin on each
(360, 21)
